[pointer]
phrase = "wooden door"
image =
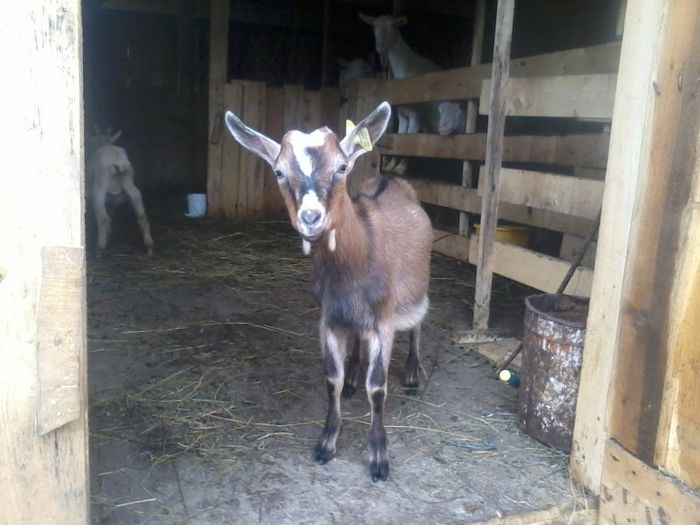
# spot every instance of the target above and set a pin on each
(639, 447)
(43, 405)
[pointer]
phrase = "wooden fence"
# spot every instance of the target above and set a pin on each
(245, 187)
(578, 84)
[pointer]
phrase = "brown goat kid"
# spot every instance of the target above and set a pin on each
(371, 266)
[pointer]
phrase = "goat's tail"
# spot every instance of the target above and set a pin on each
(121, 166)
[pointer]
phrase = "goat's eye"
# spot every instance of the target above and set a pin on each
(279, 174)
(343, 168)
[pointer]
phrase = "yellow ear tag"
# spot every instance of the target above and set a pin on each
(362, 137)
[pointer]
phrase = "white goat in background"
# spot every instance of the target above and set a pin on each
(443, 117)
(355, 68)
(110, 178)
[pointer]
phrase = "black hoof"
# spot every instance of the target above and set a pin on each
(348, 391)
(379, 470)
(322, 455)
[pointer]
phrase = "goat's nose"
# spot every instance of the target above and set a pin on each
(310, 217)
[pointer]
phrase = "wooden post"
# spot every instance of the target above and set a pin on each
(472, 109)
(218, 65)
(494, 154)
(43, 352)
(325, 51)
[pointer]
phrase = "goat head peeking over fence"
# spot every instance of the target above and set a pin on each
(371, 266)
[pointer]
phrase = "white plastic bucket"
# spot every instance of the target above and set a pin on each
(196, 204)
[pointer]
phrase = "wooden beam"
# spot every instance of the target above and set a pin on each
(465, 83)
(494, 154)
(633, 492)
(534, 269)
(468, 168)
(468, 200)
(550, 191)
(218, 64)
(567, 150)
(579, 96)
(44, 438)
(637, 140)
(567, 514)
(451, 245)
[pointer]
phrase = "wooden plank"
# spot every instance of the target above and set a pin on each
(330, 109)
(678, 444)
(293, 107)
(45, 478)
(469, 168)
(495, 351)
(60, 336)
(251, 166)
(494, 155)
(570, 246)
(634, 143)
(633, 492)
(273, 204)
(567, 514)
(467, 199)
(578, 96)
(656, 240)
(229, 185)
(451, 245)
(534, 269)
(218, 60)
(572, 150)
(312, 110)
(465, 83)
(550, 191)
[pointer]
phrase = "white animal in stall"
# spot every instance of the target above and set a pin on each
(110, 179)
(355, 68)
(371, 263)
(445, 117)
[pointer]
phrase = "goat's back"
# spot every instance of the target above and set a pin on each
(402, 235)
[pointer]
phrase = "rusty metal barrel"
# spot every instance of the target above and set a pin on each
(555, 329)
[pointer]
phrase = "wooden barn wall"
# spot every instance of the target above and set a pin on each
(245, 187)
(146, 75)
(43, 351)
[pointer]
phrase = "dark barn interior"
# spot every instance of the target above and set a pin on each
(206, 385)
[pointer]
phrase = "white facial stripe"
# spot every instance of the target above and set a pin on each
(310, 202)
(300, 142)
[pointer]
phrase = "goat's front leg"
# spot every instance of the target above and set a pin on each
(352, 375)
(379, 349)
(333, 351)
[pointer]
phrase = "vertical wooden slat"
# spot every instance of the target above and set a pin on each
(312, 110)
(293, 107)
(472, 109)
(494, 154)
(330, 109)
(273, 205)
(650, 79)
(44, 478)
(218, 57)
(229, 185)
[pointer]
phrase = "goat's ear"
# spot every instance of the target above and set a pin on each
(400, 21)
(366, 18)
(375, 124)
(115, 137)
(264, 147)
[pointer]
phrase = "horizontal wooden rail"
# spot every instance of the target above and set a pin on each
(534, 269)
(552, 192)
(578, 96)
(465, 83)
(468, 200)
(569, 150)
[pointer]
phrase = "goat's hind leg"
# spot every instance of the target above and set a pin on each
(103, 222)
(352, 374)
(379, 349)
(412, 368)
(137, 203)
(333, 351)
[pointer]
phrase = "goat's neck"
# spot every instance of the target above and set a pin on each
(352, 243)
(403, 61)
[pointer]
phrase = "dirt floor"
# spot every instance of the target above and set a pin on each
(207, 394)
